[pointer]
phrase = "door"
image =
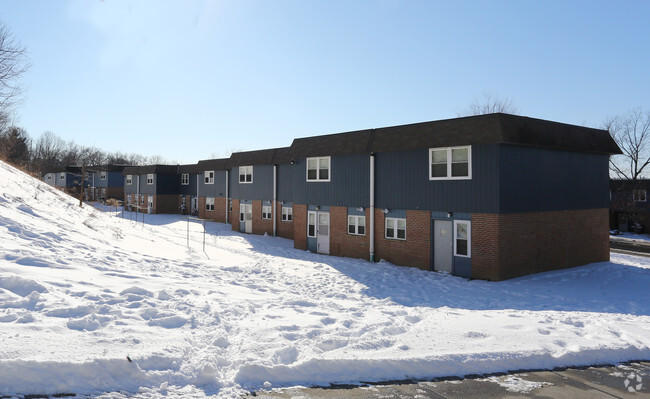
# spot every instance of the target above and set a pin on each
(195, 205)
(323, 233)
(150, 204)
(443, 245)
(246, 218)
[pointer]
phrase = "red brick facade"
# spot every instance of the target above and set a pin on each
(300, 226)
(261, 226)
(511, 245)
(219, 212)
(342, 243)
(415, 250)
(284, 229)
(167, 203)
(234, 215)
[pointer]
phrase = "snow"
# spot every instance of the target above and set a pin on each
(95, 304)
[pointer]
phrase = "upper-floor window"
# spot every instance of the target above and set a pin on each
(396, 228)
(209, 203)
(245, 174)
(266, 211)
(150, 178)
(450, 163)
(185, 179)
(102, 176)
(208, 177)
(62, 176)
(639, 195)
(357, 225)
(49, 176)
(129, 179)
(318, 169)
(462, 235)
(287, 214)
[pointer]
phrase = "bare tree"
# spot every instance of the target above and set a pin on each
(156, 160)
(46, 153)
(13, 64)
(631, 132)
(491, 104)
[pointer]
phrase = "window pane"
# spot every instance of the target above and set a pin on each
(461, 247)
(242, 178)
(401, 224)
(461, 231)
(401, 233)
(323, 174)
(311, 163)
(311, 174)
(312, 218)
(459, 155)
(351, 229)
(439, 156)
(290, 217)
(390, 232)
(460, 169)
(361, 229)
(390, 223)
(438, 170)
(311, 230)
(323, 163)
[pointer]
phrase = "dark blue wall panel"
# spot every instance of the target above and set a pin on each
(260, 189)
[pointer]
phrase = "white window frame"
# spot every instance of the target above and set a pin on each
(318, 169)
(149, 178)
(469, 238)
(141, 199)
(49, 176)
(209, 204)
(129, 179)
(208, 177)
(128, 199)
(62, 176)
(315, 215)
(640, 195)
(449, 163)
(102, 175)
(183, 201)
(358, 220)
(287, 214)
(266, 212)
(185, 179)
(243, 171)
(395, 229)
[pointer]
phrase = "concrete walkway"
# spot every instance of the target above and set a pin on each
(630, 380)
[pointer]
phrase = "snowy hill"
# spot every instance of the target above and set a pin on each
(82, 289)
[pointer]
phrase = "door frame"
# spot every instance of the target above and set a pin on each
(433, 243)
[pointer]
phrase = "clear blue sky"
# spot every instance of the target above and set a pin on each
(190, 79)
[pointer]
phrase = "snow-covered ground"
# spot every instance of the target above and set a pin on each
(82, 289)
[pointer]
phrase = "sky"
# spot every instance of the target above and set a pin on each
(196, 79)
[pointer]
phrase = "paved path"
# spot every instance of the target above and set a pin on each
(582, 383)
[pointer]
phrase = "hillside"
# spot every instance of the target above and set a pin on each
(81, 289)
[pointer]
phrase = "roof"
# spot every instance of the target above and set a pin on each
(271, 156)
(212, 164)
(146, 169)
(108, 168)
(479, 129)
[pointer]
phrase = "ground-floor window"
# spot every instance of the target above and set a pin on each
(462, 238)
(357, 225)
(396, 228)
(266, 211)
(142, 199)
(128, 199)
(209, 203)
(183, 201)
(287, 214)
(311, 224)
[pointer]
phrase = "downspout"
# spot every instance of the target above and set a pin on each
(372, 207)
(227, 200)
(197, 194)
(275, 192)
(137, 199)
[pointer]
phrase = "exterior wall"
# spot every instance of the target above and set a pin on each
(415, 250)
(300, 226)
(234, 215)
(219, 213)
(285, 183)
(188, 189)
(284, 229)
(217, 189)
(188, 204)
(114, 192)
(540, 180)
(163, 203)
(261, 226)
(511, 245)
(348, 185)
(344, 244)
(260, 189)
(165, 183)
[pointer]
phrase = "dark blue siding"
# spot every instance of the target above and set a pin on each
(285, 183)
(402, 182)
(217, 189)
(348, 185)
(114, 179)
(144, 187)
(166, 183)
(260, 189)
(189, 189)
(539, 180)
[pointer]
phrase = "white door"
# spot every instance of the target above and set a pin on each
(195, 205)
(442, 245)
(150, 203)
(323, 233)
(246, 218)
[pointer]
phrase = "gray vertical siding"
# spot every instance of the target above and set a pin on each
(260, 189)
(217, 189)
(348, 185)
(189, 189)
(402, 182)
(539, 180)
(285, 183)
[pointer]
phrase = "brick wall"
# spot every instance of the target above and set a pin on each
(261, 226)
(300, 226)
(113, 192)
(535, 242)
(202, 213)
(344, 244)
(167, 203)
(284, 229)
(415, 250)
(234, 215)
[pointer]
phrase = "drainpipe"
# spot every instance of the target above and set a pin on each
(227, 201)
(137, 197)
(197, 195)
(372, 208)
(275, 192)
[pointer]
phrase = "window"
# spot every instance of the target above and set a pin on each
(128, 199)
(229, 204)
(102, 176)
(185, 179)
(357, 225)
(450, 163)
(183, 201)
(287, 214)
(62, 176)
(318, 169)
(49, 176)
(639, 195)
(103, 191)
(245, 174)
(141, 198)
(462, 235)
(242, 212)
(209, 203)
(311, 224)
(396, 228)
(208, 177)
(129, 179)
(266, 211)
(150, 178)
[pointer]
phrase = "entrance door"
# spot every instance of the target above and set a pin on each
(194, 205)
(443, 247)
(246, 218)
(150, 204)
(323, 233)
